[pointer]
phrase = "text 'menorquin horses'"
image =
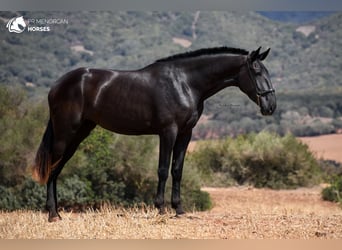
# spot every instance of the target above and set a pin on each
(165, 98)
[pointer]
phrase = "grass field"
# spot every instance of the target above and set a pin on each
(238, 213)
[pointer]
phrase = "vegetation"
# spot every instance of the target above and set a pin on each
(302, 114)
(260, 160)
(333, 172)
(334, 191)
(305, 69)
(134, 39)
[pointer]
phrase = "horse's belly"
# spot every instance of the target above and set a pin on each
(123, 121)
(127, 126)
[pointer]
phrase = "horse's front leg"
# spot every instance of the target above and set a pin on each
(179, 152)
(167, 141)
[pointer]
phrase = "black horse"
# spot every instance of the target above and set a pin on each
(165, 98)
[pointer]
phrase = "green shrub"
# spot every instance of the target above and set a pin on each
(262, 160)
(73, 191)
(197, 200)
(334, 191)
(330, 169)
(8, 201)
(207, 160)
(30, 194)
(21, 126)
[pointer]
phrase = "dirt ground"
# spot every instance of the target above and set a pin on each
(238, 213)
(328, 147)
(283, 214)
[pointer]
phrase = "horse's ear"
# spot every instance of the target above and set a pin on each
(263, 55)
(255, 54)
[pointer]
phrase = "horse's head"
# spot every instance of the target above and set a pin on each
(255, 82)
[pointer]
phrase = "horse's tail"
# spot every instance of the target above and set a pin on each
(43, 162)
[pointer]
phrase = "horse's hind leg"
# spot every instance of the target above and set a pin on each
(69, 149)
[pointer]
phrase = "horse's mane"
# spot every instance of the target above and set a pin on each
(206, 51)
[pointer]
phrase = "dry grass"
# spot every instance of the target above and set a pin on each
(239, 213)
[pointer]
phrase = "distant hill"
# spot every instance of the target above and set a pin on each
(299, 17)
(301, 56)
(304, 57)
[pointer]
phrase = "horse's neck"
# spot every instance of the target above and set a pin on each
(214, 74)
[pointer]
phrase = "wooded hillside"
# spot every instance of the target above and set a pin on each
(304, 63)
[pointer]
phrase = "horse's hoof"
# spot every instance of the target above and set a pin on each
(179, 211)
(180, 216)
(55, 219)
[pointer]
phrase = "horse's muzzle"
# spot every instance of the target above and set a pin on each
(267, 103)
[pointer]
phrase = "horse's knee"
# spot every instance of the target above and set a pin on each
(176, 174)
(163, 174)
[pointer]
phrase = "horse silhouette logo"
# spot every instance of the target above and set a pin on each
(16, 24)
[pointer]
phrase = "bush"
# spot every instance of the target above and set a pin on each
(197, 200)
(334, 191)
(8, 201)
(21, 123)
(31, 195)
(262, 160)
(330, 168)
(75, 192)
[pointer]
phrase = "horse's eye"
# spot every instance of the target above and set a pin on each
(256, 67)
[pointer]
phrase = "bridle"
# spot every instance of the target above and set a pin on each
(257, 69)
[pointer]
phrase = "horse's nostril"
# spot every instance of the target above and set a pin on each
(271, 110)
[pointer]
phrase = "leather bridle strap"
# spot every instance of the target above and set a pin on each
(259, 93)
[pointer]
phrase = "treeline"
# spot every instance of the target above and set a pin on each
(302, 114)
(134, 39)
(122, 170)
